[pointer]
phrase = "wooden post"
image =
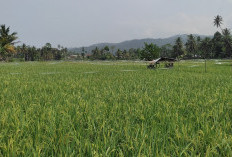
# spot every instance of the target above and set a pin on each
(205, 64)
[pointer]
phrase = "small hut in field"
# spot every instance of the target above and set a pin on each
(168, 63)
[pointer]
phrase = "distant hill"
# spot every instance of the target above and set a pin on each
(136, 43)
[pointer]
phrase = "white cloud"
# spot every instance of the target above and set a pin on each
(177, 24)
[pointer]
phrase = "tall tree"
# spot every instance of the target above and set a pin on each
(150, 52)
(7, 42)
(24, 50)
(83, 52)
(218, 21)
(178, 48)
(226, 36)
(166, 50)
(47, 51)
(191, 46)
(218, 45)
(96, 54)
(198, 43)
(206, 48)
(119, 54)
(227, 41)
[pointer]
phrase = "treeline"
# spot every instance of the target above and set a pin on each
(47, 52)
(219, 46)
(8, 51)
(216, 47)
(107, 54)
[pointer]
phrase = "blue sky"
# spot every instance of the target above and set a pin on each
(75, 23)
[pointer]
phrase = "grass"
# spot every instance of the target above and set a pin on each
(115, 109)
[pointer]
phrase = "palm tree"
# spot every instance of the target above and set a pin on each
(198, 44)
(178, 49)
(46, 51)
(218, 21)
(226, 32)
(206, 46)
(6, 41)
(6, 37)
(227, 40)
(179, 46)
(83, 52)
(191, 45)
(24, 50)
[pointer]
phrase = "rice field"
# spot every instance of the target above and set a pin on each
(115, 109)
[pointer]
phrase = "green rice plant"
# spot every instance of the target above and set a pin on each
(115, 109)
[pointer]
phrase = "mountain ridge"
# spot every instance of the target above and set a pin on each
(134, 43)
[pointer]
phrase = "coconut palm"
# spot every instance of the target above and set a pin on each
(191, 45)
(227, 40)
(24, 51)
(6, 37)
(226, 32)
(178, 49)
(6, 41)
(218, 21)
(206, 48)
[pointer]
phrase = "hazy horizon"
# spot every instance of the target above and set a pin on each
(77, 23)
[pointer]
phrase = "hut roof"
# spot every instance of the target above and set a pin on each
(163, 59)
